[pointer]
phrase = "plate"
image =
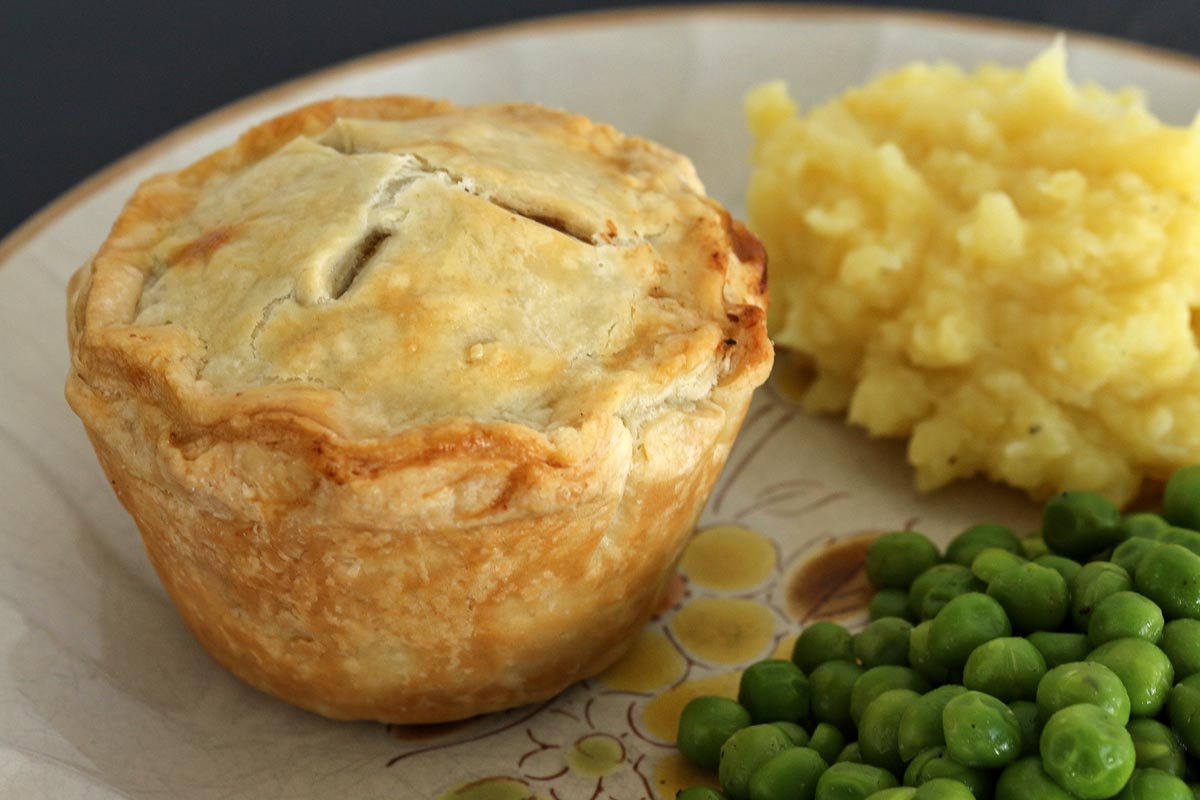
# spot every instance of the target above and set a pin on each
(104, 694)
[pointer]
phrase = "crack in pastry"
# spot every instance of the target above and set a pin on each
(340, 137)
(266, 315)
(354, 261)
(412, 414)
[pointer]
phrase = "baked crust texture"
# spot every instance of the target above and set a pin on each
(415, 405)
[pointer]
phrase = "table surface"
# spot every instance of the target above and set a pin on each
(85, 83)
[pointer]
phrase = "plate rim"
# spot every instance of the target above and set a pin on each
(80, 192)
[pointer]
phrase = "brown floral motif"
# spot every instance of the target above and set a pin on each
(493, 787)
(831, 584)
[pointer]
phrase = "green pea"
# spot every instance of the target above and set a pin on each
(1152, 784)
(1181, 643)
(1125, 614)
(920, 657)
(915, 766)
(1170, 576)
(981, 731)
(1083, 682)
(774, 690)
(977, 538)
(1026, 779)
(1030, 720)
(1096, 581)
(831, 686)
(798, 735)
(704, 725)
(848, 781)
(895, 793)
(821, 642)
(1034, 597)
(1181, 498)
(851, 754)
(890, 603)
(1145, 671)
(884, 641)
(943, 789)
(1157, 747)
(878, 680)
(992, 561)
(1142, 524)
(965, 623)
(895, 559)
(1129, 553)
(1067, 567)
(935, 763)
(1060, 648)
(937, 586)
(1183, 709)
(878, 730)
(1007, 668)
(1080, 524)
(790, 775)
(1180, 536)
(827, 740)
(699, 793)
(744, 752)
(1087, 751)
(1034, 547)
(921, 724)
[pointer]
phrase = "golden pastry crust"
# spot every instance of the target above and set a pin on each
(414, 405)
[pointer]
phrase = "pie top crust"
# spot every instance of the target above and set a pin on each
(371, 270)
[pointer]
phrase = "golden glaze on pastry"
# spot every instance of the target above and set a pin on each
(415, 405)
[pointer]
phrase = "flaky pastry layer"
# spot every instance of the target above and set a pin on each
(414, 405)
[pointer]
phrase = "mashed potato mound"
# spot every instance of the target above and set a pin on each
(1001, 265)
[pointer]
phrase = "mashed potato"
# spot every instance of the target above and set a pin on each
(1002, 266)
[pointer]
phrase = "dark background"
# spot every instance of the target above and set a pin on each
(83, 82)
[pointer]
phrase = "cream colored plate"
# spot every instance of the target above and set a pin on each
(104, 694)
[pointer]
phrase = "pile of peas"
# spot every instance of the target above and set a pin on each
(1065, 665)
